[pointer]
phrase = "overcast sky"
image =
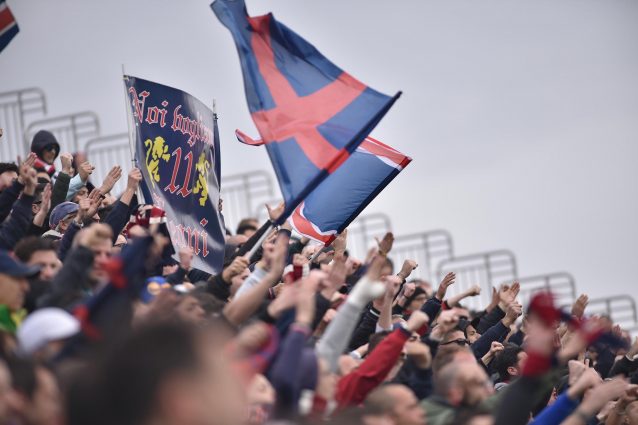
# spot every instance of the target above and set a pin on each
(521, 116)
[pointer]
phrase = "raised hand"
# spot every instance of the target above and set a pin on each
(445, 283)
(30, 160)
(578, 308)
(286, 299)
(496, 348)
(587, 379)
(447, 320)
(233, 269)
(67, 163)
(340, 243)
(385, 244)
(306, 297)
(507, 294)
(111, 178)
(45, 206)
(276, 212)
(186, 257)
(603, 393)
(85, 170)
(392, 286)
(417, 320)
(408, 267)
(576, 369)
(275, 258)
(28, 177)
(512, 311)
(134, 179)
(474, 291)
(94, 202)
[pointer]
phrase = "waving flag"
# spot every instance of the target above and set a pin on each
(310, 114)
(344, 194)
(8, 25)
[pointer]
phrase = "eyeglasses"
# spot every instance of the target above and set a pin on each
(461, 342)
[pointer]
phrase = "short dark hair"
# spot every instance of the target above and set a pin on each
(25, 248)
(246, 224)
(8, 166)
(445, 355)
(504, 360)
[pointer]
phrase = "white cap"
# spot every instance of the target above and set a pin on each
(43, 326)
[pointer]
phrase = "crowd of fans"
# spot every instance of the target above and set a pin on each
(102, 323)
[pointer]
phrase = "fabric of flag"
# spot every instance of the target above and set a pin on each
(311, 114)
(8, 25)
(344, 194)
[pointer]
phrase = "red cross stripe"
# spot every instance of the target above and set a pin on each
(299, 116)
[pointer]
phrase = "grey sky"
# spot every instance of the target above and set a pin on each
(521, 116)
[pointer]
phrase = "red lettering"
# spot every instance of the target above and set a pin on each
(177, 153)
(185, 191)
(139, 103)
(204, 244)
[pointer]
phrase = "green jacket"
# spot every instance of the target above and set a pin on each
(10, 321)
(439, 412)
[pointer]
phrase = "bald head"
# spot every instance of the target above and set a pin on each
(463, 383)
(396, 402)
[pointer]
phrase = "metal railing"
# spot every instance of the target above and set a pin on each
(72, 131)
(363, 230)
(104, 152)
(243, 193)
(16, 107)
(620, 308)
(561, 284)
(428, 249)
(486, 269)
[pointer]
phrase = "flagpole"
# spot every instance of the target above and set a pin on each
(260, 241)
(131, 139)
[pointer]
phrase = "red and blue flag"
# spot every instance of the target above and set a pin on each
(311, 114)
(8, 25)
(344, 194)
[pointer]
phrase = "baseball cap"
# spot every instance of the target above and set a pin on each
(61, 211)
(12, 267)
(43, 326)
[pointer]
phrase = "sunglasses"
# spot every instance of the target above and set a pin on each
(461, 342)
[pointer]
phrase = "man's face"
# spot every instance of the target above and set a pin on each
(406, 407)
(7, 178)
(102, 254)
(476, 383)
(49, 263)
(418, 302)
(82, 193)
(522, 357)
(45, 406)
(190, 310)
(13, 291)
(65, 222)
(49, 153)
(472, 335)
